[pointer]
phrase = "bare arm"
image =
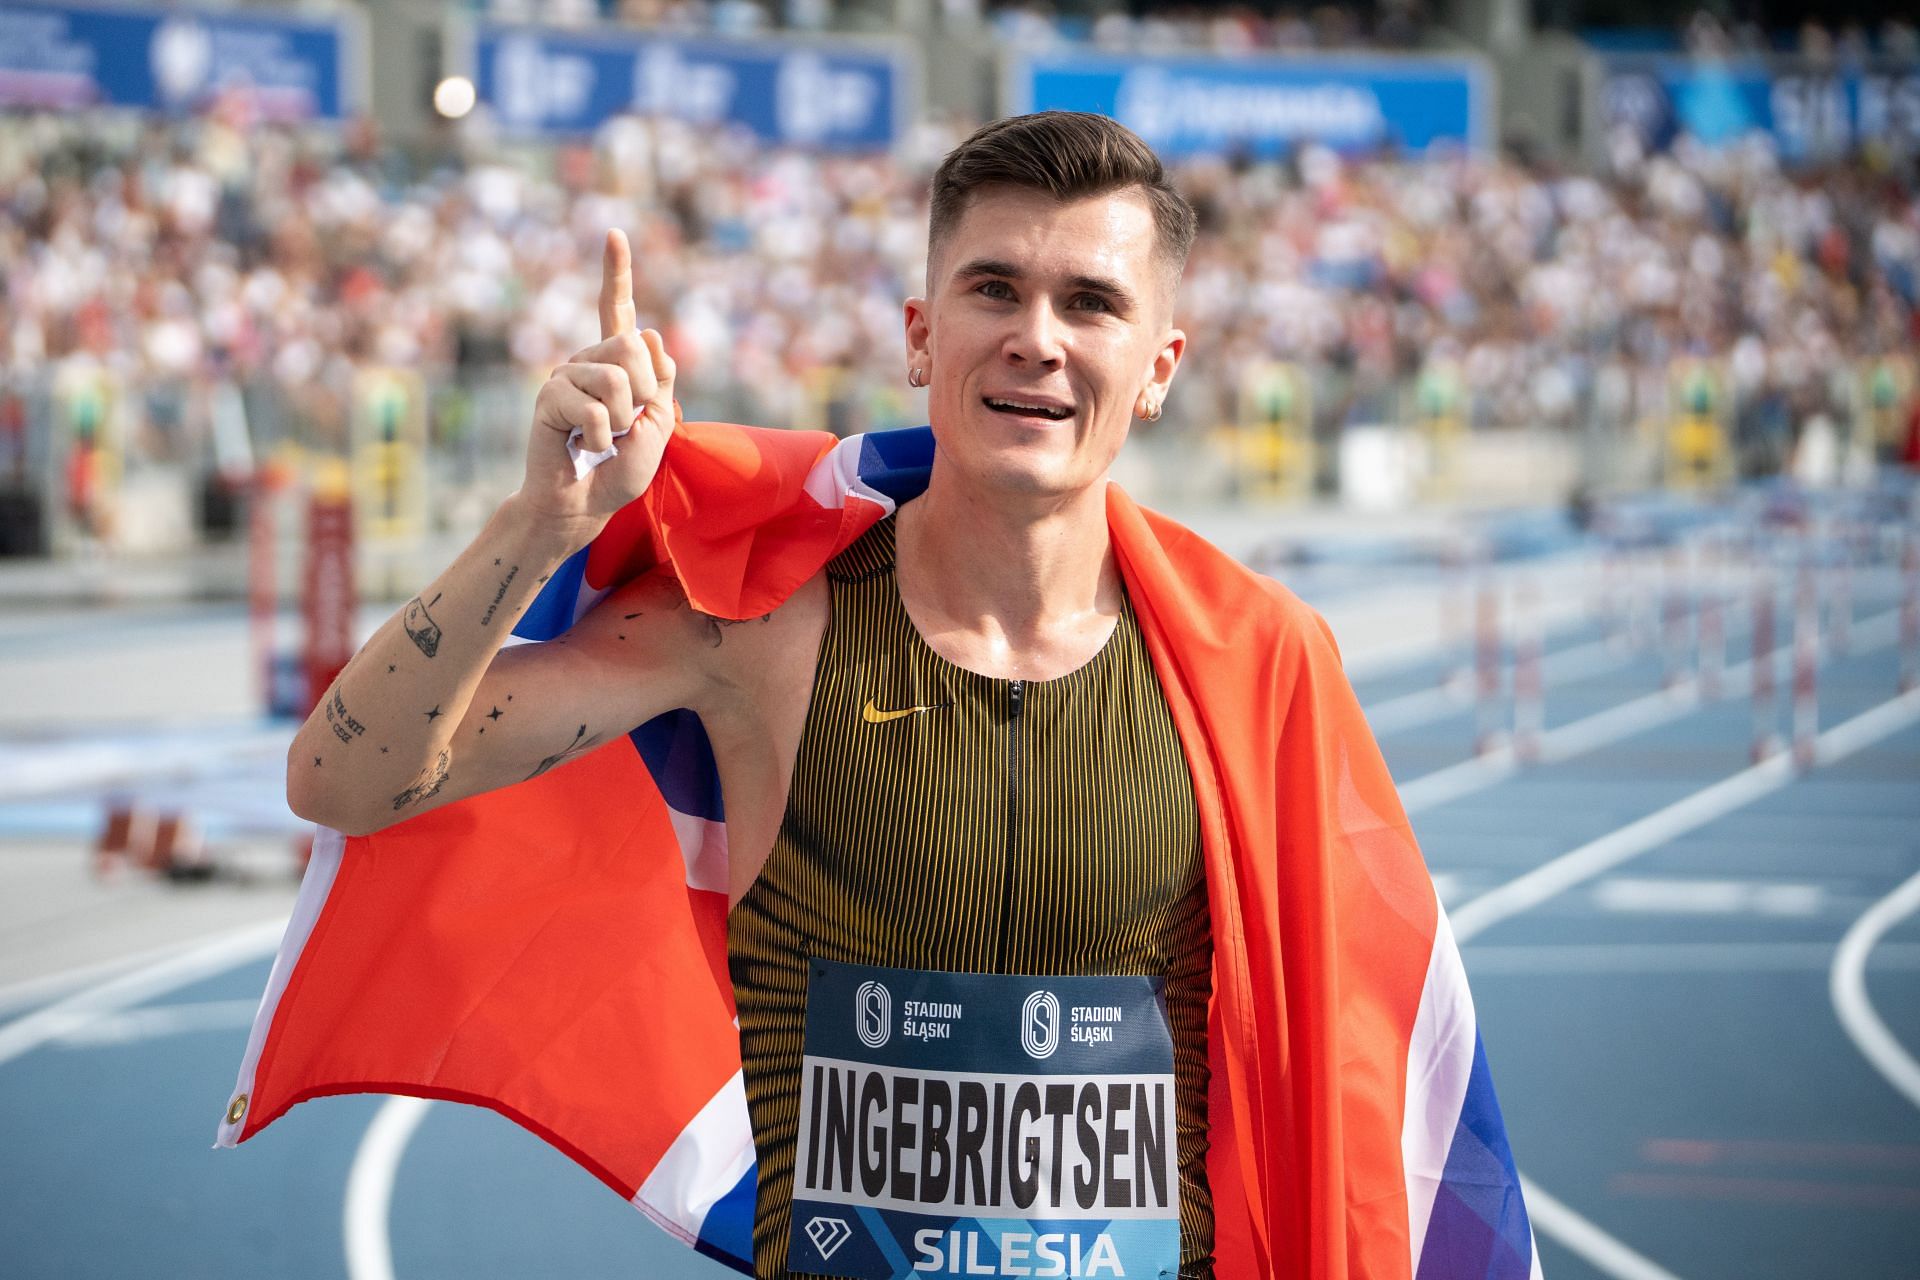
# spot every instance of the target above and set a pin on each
(395, 737)
(405, 727)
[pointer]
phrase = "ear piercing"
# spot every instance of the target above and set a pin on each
(1152, 411)
(916, 378)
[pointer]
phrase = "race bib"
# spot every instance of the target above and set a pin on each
(957, 1124)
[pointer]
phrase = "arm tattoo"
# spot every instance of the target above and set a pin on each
(344, 726)
(428, 785)
(582, 743)
(421, 627)
(500, 594)
(714, 625)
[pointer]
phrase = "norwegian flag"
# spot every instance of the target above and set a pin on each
(541, 951)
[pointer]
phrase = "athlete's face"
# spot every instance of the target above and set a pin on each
(1046, 329)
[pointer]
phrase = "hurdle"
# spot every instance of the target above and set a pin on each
(1806, 666)
(126, 836)
(1642, 601)
(1487, 658)
(1711, 634)
(1673, 619)
(1614, 601)
(1840, 601)
(1763, 673)
(1910, 613)
(1456, 672)
(1529, 695)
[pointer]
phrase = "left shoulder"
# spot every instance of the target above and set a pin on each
(1208, 590)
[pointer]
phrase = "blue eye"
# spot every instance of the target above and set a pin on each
(989, 287)
(1093, 301)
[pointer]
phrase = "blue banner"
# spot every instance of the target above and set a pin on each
(1266, 106)
(69, 56)
(833, 96)
(1809, 114)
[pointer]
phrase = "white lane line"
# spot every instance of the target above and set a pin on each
(27, 992)
(370, 1187)
(1522, 960)
(63, 1017)
(1456, 780)
(94, 1031)
(1672, 895)
(1548, 1215)
(38, 770)
(1588, 659)
(1848, 985)
(1617, 847)
(1524, 892)
(1687, 814)
(1649, 711)
(1424, 706)
(1612, 725)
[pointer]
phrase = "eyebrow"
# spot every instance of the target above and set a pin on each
(995, 267)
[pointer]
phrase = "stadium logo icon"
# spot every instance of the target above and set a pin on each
(828, 1234)
(181, 57)
(1040, 1024)
(872, 1016)
(814, 100)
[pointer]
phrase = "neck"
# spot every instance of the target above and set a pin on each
(1024, 588)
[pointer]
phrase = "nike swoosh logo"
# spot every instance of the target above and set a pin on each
(874, 715)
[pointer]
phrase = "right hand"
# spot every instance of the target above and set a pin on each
(625, 378)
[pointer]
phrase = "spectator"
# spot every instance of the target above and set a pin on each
(176, 252)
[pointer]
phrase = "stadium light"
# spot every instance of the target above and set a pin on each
(453, 97)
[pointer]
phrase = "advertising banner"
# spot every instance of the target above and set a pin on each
(1810, 114)
(69, 56)
(843, 96)
(1188, 106)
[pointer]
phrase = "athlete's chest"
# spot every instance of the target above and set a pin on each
(941, 819)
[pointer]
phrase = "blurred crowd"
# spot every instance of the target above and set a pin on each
(172, 253)
(1564, 299)
(1032, 25)
(676, 17)
(1220, 29)
(1849, 46)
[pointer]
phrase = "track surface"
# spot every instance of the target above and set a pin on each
(1664, 1034)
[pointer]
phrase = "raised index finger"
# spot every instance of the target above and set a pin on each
(616, 285)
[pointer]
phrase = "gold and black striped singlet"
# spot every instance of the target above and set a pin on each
(1014, 827)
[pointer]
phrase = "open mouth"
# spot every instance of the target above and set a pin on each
(1028, 409)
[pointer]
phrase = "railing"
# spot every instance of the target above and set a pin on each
(93, 460)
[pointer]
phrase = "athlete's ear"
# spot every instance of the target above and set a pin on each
(919, 321)
(1165, 362)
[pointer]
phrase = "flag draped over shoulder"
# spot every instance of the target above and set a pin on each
(557, 950)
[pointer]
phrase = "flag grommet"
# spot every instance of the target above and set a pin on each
(237, 1109)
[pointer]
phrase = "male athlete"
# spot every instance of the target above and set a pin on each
(1015, 756)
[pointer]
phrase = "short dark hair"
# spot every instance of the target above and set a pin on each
(1070, 155)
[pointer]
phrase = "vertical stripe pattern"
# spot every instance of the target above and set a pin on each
(1035, 827)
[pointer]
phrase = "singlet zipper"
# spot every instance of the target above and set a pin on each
(1015, 693)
